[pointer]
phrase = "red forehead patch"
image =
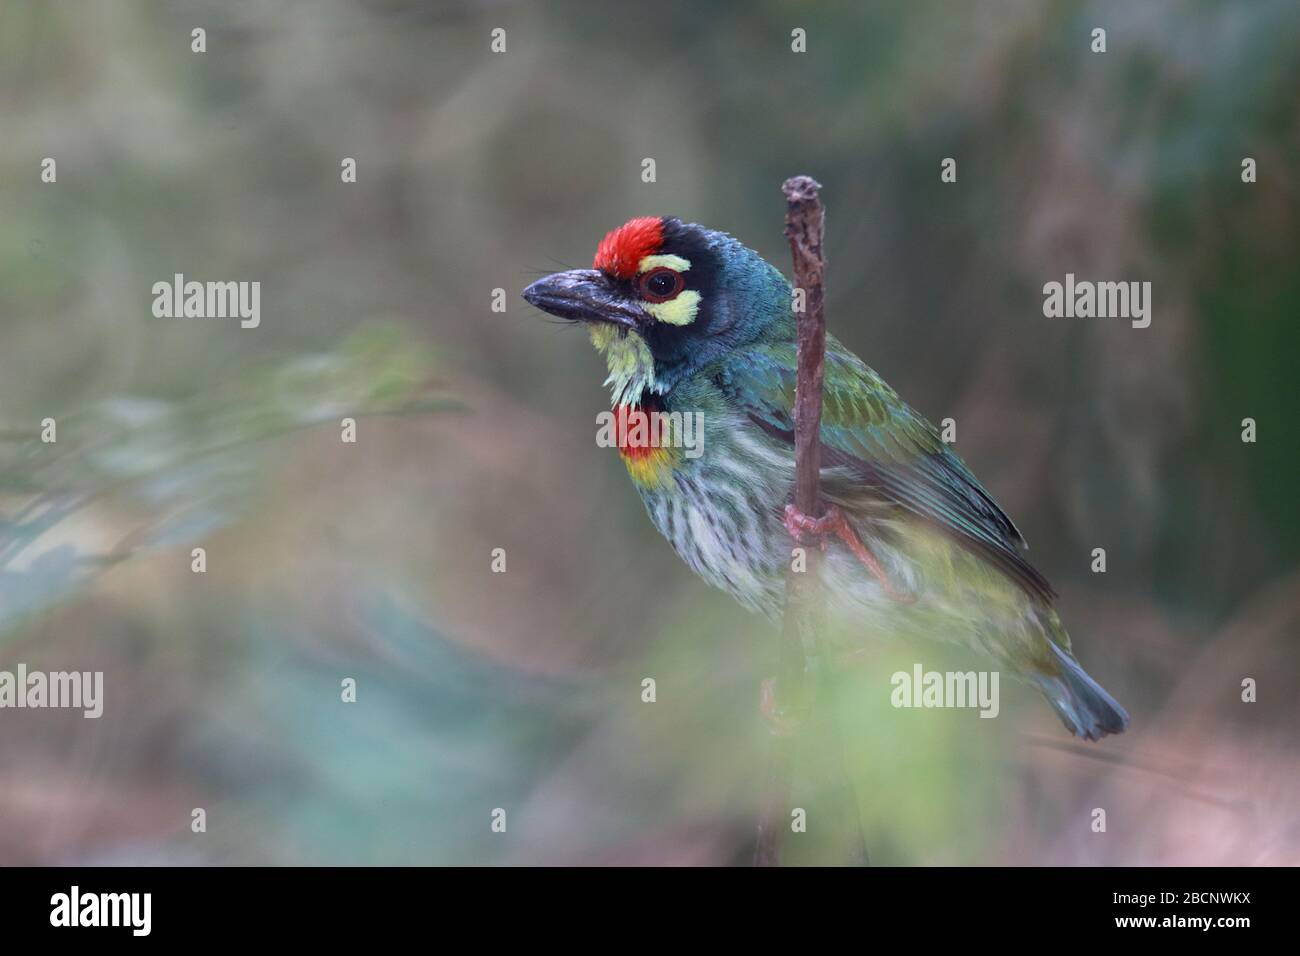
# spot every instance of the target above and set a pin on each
(622, 250)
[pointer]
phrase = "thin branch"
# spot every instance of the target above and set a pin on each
(804, 220)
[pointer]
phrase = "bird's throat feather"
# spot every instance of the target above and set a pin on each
(631, 366)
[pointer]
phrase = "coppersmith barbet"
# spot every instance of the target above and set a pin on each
(690, 320)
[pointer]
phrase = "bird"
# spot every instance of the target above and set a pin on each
(691, 321)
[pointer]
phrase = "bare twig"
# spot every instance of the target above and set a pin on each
(804, 228)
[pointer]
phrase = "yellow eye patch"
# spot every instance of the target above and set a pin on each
(678, 311)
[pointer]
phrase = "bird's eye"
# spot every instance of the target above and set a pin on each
(662, 284)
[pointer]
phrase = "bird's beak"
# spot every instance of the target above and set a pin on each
(584, 295)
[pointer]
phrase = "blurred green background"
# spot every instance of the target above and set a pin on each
(522, 690)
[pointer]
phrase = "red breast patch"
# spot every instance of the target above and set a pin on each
(635, 435)
(622, 250)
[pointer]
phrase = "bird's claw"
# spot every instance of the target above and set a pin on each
(834, 523)
(801, 526)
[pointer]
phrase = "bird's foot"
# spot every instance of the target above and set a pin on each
(834, 523)
(781, 721)
(801, 526)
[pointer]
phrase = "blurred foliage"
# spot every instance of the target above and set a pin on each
(522, 690)
(171, 473)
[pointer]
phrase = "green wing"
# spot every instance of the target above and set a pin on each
(884, 446)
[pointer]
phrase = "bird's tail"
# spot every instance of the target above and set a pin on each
(1083, 706)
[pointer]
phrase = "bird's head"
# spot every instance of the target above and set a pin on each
(665, 298)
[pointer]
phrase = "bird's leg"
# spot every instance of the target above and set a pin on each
(834, 523)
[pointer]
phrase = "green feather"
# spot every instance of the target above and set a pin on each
(881, 443)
